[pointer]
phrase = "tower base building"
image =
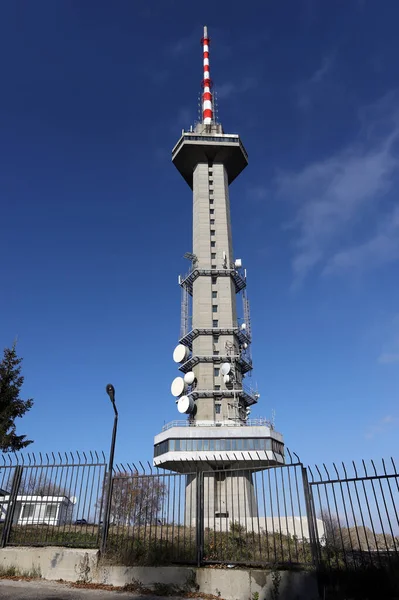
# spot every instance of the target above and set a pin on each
(217, 437)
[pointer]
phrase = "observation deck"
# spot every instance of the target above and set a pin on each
(195, 147)
(184, 446)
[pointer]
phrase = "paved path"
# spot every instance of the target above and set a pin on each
(48, 590)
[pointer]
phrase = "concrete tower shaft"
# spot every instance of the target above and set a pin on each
(214, 297)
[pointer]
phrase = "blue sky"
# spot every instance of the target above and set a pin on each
(95, 219)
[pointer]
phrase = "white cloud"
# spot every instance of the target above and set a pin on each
(324, 69)
(390, 353)
(184, 44)
(307, 88)
(227, 89)
(334, 194)
(381, 426)
(380, 249)
(388, 359)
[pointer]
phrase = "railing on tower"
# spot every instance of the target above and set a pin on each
(187, 423)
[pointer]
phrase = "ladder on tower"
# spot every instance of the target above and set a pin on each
(184, 312)
(247, 314)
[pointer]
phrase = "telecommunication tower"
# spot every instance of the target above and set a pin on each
(214, 349)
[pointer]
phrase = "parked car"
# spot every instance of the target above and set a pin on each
(81, 522)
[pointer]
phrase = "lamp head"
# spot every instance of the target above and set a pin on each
(111, 392)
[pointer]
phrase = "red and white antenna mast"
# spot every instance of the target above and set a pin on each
(207, 100)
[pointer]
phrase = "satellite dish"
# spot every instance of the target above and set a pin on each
(180, 353)
(73, 499)
(185, 405)
(245, 345)
(238, 263)
(177, 387)
(189, 378)
(225, 368)
(243, 326)
(226, 378)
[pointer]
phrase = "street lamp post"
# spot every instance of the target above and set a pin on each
(108, 497)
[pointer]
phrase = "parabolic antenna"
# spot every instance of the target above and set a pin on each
(238, 263)
(180, 353)
(226, 378)
(189, 378)
(73, 499)
(225, 368)
(245, 345)
(185, 405)
(177, 387)
(243, 326)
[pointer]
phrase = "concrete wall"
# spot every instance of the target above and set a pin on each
(54, 563)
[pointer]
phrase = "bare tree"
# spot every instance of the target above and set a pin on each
(136, 499)
(332, 531)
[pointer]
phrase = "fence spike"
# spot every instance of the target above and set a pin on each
(41, 458)
(29, 459)
(394, 466)
(85, 457)
(149, 464)
(22, 459)
(290, 455)
(104, 459)
(136, 469)
(311, 473)
(383, 466)
(344, 468)
(320, 475)
(141, 465)
(34, 458)
(328, 474)
(336, 470)
(375, 470)
(354, 467)
(72, 457)
(364, 467)
(52, 454)
(297, 457)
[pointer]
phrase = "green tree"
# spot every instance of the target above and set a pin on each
(11, 405)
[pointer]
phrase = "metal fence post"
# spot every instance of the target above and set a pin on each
(312, 524)
(199, 533)
(16, 482)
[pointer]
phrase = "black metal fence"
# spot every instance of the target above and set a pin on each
(359, 509)
(52, 499)
(334, 519)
